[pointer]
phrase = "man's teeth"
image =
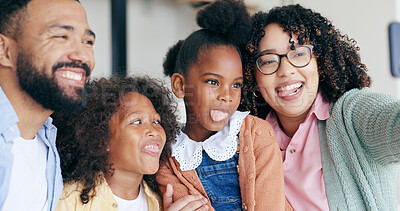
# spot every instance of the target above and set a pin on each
(289, 87)
(72, 75)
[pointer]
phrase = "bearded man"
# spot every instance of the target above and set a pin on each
(46, 57)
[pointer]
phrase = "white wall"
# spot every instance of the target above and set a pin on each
(398, 19)
(99, 17)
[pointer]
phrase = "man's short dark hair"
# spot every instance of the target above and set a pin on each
(12, 12)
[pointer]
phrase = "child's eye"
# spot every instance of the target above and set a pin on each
(237, 85)
(136, 122)
(157, 122)
(212, 82)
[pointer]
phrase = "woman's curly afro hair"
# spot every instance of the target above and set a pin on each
(339, 64)
(83, 137)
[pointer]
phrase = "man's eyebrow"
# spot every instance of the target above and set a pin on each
(70, 28)
(61, 26)
(90, 33)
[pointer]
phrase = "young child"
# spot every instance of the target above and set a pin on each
(228, 156)
(339, 140)
(111, 150)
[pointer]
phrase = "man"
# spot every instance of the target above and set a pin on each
(46, 58)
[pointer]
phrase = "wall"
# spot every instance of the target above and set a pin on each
(398, 19)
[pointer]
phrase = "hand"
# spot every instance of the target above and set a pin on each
(186, 203)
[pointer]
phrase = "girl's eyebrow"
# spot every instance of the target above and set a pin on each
(139, 114)
(132, 115)
(220, 76)
(213, 74)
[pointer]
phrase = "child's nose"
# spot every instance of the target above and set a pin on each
(225, 95)
(152, 131)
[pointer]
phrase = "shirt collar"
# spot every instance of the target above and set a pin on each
(8, 115)
(220, 146)
(9, 119)
(320, 108)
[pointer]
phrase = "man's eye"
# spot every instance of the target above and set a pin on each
(89, 42)
(61, 36)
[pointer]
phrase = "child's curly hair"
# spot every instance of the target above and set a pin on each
(83, 137)
(339, 65)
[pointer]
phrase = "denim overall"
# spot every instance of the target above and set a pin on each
(220, 180)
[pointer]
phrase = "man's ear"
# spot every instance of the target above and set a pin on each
(178, 85)
(6, 46)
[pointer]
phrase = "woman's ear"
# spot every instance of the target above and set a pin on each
(178, 85)
(6, 46)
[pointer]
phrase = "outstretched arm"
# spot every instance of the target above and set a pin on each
(371, 121)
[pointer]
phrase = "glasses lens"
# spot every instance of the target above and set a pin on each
(300, 57)
(268, 63)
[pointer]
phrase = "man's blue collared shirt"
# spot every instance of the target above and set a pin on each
(8, 132)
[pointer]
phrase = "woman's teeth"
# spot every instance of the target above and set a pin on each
(289, 87)
(289, 90)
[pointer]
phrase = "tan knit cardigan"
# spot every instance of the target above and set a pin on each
(260, 170)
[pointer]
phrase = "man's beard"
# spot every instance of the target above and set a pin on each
(45, 90)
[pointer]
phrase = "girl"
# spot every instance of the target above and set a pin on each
(228, 156)
(338, 139)
(110, 151)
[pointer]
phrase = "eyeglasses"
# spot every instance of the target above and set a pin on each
(268, 63)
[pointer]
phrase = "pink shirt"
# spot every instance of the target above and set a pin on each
(302, 167)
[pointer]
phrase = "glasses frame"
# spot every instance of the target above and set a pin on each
(280, 58)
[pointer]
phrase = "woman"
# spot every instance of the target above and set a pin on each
(338, 139)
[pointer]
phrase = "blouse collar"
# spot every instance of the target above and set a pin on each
(220, 147)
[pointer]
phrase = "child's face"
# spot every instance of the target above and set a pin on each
(290, 91)
(213, 88)
(137, 138)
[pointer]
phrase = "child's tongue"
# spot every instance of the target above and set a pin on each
(218, 115)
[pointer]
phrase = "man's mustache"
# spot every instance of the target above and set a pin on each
(83, 66)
